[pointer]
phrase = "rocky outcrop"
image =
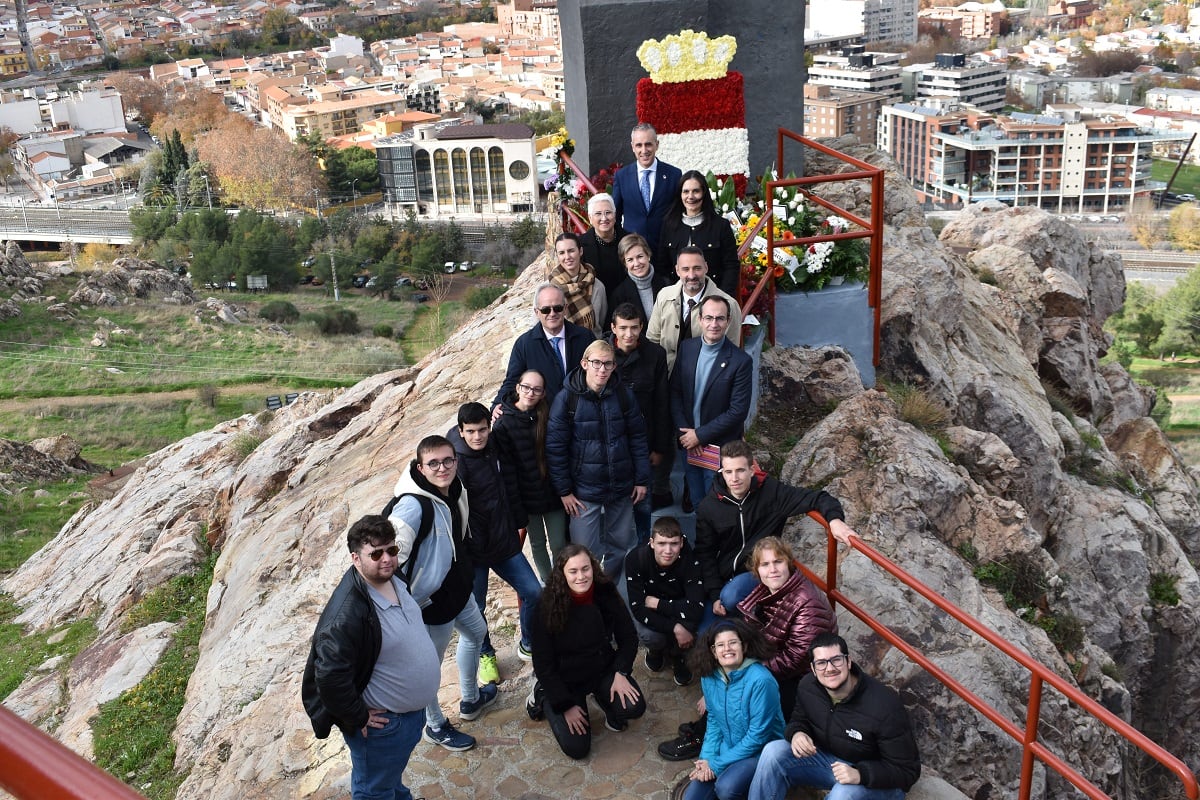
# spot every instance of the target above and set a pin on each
(40, 460)
(132, 278)
(1090, 501)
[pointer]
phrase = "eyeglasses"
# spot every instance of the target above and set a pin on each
(525, 388)
(707, 318)
(837, 662)
(603, 214)
(736, 644)
(605, 365)
(392, 551)
(548, 310)
(437, 466)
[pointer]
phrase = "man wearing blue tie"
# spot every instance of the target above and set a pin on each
(644, 190)
(549, 346)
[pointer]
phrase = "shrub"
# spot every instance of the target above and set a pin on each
(334, 321)
(383, 331)
(279, 311)
(1161, 412)
(919, 408)
(1162, 589)
(483, 296)
(208, 395)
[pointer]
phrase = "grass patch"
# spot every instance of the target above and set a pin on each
(431, 328)
(20, 654)
(1187, 181)
(919, 409)
(1019, 578)
(1162, 589)
(133, 733)
(28, 522)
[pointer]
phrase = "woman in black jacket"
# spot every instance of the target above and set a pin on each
(521, 439)
(579, 617)
(693, 220)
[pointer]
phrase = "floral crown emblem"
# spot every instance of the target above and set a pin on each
(687, 56)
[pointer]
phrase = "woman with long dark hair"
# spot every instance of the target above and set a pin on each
(521, 438)
(742, 698)
(693, 220)
(579, 618)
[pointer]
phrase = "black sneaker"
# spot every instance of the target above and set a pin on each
(662, 500)
(533, 703)
(684, 748)
(654, 660)
(683, 675)
(613, 724)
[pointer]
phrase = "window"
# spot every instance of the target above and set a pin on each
(496, 171)
(479, 178)
(441, 174)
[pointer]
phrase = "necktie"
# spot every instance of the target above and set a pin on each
(646, 188)
(558, 351)
(685, 331)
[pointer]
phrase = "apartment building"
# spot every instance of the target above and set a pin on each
(535, 19)
(337, 117)
(856, 70)
(876, 20)
(1068, 162)
(838, 112)
(953, 76)
(460, 170)
(967, 21)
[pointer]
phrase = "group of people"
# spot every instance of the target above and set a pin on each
(575, 453)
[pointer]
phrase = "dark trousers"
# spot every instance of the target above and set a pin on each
(577, 745)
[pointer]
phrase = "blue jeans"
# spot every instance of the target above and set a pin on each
(698, 480)
(738, 589)
(732, 784)
(471, 630)
(778, 769)
(606, 529)
(377, 760)
(517, 573)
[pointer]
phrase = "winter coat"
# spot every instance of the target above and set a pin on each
(679, 589)
(667, 318)
(644, 371)
(571, 662)
(727, 529)
(493, 537)
(450, 520)
(714, 236)
(532, 350)
(603, 257)
(627, 292)
(600, 455)
(790, 619)
(743, 714)
(529, 492)
(869, 729)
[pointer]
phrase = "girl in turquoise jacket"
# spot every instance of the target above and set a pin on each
(743, 710)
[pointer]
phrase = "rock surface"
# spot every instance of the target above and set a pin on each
(1008, 479)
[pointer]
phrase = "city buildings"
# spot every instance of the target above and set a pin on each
(838, 112)
(856, 70)
(1063, 161)
(875, 20)
(969, 20)
(955, 78)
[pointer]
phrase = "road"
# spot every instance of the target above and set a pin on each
(65, 224)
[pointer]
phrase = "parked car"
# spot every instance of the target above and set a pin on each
(372, 282)
(448, 267)
(403, 281)
(306, 279)
(308, 262)
(420, 297)
(359, 281)
(1187, 197)
(466, 266)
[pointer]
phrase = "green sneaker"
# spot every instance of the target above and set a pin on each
(489, 670)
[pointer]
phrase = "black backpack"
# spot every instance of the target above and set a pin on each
(422, 532)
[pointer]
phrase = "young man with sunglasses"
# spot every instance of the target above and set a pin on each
(552, 346)
(849, 734)
(444, 577)
(372, 667)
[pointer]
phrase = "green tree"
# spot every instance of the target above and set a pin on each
(1181, 317)
(150, 224)
(1140, 320)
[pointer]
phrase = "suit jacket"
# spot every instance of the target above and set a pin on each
(631, 211)
(533, 350)
(725, 403)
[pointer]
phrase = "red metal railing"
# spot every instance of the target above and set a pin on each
(569, 215)
(36, 767)
(872, 229)
(1040, 676)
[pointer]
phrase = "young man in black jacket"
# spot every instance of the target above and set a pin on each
(372, 667)
(495, 545)
(666, 596)
(849, 733)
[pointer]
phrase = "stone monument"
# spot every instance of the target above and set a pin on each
(601, 68)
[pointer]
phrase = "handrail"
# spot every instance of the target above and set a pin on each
(1026, 736)
(568, 213)
(872, 229)
(37, 766)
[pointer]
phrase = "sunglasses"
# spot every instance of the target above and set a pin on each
(547, 310)
(377, 554)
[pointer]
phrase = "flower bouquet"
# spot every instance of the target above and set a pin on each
(570, 190)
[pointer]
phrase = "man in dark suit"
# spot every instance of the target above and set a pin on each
(644, 190)
(549, 346)
(710, 391)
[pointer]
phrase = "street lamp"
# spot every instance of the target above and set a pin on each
(353, 193)
(207, 190)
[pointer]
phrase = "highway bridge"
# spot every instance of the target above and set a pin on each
(64, 224)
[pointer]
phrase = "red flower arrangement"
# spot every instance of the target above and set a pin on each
(694, 105)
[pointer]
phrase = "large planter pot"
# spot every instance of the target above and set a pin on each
(837, 315)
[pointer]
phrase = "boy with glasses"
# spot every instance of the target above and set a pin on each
(849, 734)
(597, 457)
(431, 499)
